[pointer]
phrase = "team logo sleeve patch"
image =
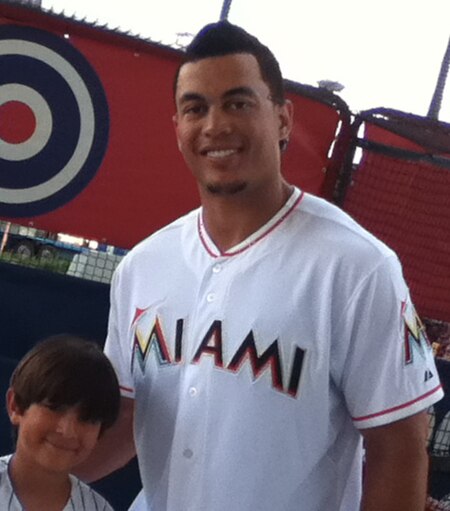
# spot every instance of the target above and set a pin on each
(418, 372)
(416, 340)
(389, 373)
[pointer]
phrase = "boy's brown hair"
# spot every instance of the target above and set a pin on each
(64, 371)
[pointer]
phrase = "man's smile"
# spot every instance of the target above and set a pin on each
(219, 153)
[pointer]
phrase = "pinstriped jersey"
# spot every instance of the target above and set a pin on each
(253, 369)
(82, 497)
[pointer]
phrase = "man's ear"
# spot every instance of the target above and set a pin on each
(13, 410)
(286, 119)
(175, 124)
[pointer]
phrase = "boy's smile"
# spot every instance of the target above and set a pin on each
(54, 440)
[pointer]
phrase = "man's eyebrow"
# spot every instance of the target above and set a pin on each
(240, 91)
(236, 91)
(191, 96)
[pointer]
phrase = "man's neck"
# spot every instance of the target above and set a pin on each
(229, 220)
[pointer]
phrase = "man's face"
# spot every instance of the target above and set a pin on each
(228, 128)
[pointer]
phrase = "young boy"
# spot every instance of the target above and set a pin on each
(63, 395)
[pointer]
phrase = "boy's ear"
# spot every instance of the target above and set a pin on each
(13, 410)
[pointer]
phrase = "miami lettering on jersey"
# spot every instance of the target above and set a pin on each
(154, 341)
(416, 339)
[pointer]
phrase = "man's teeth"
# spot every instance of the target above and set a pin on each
(222, 153)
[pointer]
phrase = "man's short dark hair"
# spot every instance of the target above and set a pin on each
(223, 38)
(64, 371)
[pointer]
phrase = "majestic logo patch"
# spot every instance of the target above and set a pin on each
(428, 375)
(54, 121)
(152, 339)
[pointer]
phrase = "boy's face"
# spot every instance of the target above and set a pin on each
(55, 440)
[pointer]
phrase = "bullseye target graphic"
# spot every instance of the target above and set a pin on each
(54, 121)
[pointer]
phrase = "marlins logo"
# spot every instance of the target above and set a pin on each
(416, 339)
(54, 121)
(149, 337)
(143, 344)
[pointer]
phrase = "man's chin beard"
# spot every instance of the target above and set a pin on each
(226, 189)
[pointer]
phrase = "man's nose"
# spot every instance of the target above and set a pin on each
(217, 122)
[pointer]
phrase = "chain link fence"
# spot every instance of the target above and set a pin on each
(439, 421)
(58, 252)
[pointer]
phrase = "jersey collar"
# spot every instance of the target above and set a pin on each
(294, 199)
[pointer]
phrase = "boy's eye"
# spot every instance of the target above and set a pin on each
(90, 420)
(54, 407)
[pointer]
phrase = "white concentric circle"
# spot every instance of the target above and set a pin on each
(42, 114)
(87, 122)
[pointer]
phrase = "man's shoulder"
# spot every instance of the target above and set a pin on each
(165, 238)
(171, 229)
(328, 214)
(333, 225)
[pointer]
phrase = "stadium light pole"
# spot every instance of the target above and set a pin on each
(225, 10)
(436, 101)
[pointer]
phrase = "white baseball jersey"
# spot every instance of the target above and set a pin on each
(82, 497)
(139, 503)
(252, 370)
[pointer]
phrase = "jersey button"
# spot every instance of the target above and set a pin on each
(210, 297)
(193, 391)
(187, 453)
(217, 268)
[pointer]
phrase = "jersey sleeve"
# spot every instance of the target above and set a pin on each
(118, 343)
(383, 358)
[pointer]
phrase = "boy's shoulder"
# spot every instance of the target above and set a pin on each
(4, 460)
(6, 489)
(84, 497)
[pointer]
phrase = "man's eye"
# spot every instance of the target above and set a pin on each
(194, 110)
(239, 105)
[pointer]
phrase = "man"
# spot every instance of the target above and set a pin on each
(260, 338)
